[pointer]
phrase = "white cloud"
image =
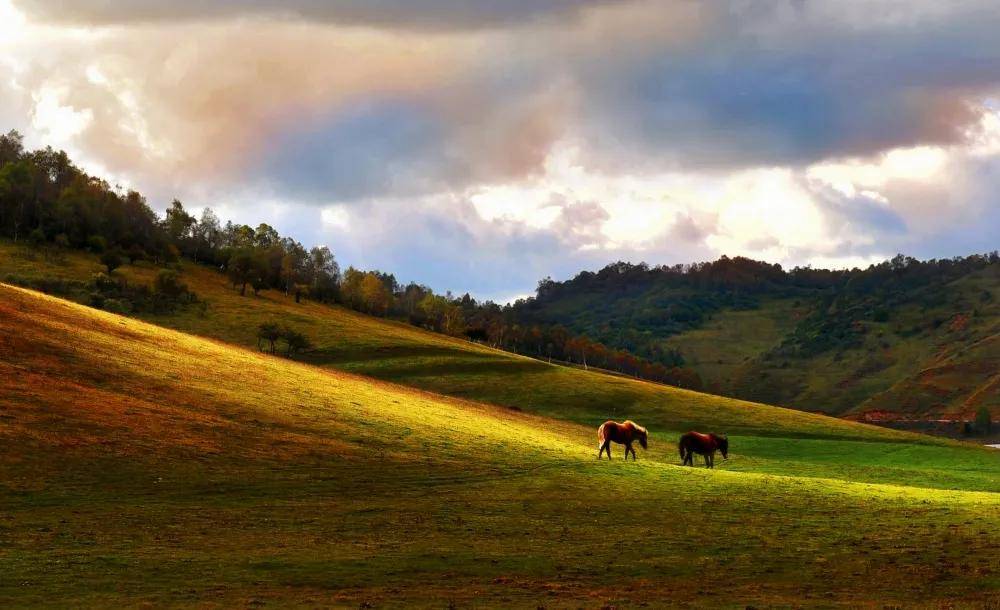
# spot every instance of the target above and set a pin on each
(56, 120)
(336, 217)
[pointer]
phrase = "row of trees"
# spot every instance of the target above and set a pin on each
(380, 294)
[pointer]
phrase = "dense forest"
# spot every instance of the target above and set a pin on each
(635, 306)
(47, 201)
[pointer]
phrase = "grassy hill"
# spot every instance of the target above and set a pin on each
(906, 339)
(148, 466)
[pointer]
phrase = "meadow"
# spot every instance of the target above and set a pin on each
(147, 466)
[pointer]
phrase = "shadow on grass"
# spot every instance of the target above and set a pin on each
(395, 362)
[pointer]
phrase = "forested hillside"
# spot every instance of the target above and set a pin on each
(902, 338)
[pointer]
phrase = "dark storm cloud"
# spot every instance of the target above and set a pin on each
(794, 91)
(378, 146)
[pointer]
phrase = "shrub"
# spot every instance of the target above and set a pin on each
(103, 283)
(269, 332)
(169, 284)
(96, 243)
(37, 237)
(61, 240)
(136, 253)
(112, 259)
(295, 341)
(984, 420)
(118, 306)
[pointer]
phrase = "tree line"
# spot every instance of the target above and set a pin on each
(46, 199)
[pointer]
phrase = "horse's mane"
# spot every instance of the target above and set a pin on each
(636, 426)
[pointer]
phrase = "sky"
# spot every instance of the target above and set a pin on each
(481, 145)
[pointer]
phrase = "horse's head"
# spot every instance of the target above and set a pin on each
(724, 446)
(642, 435)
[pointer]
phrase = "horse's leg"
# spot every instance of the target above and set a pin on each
(606, 447)
(706, 460)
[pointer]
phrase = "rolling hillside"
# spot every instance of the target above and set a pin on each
(143, 465)
(906, 339)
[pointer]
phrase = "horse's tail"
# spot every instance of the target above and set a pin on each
(600, 435)
(680, 447)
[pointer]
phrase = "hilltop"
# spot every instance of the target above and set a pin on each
(190, 471)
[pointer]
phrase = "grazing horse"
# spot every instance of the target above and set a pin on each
(703, 444)
(623, 434)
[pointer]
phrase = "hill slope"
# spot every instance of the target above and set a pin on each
(143, 465)
(830, 341)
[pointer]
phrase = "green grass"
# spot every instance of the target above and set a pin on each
(144, 466)
(730, 339)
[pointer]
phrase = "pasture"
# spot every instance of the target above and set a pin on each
(148, 466)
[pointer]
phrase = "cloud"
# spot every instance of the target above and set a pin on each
(546, 135)
(417, 14)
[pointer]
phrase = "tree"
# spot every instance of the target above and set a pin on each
(374, 295)
(270, 332)
(245, 268)
(178, 223)
(984, 420)
(323, 274)
(350, 288)
(207, 235)
(11, 148)
(265, 236)
(112, 259)
(295, 341)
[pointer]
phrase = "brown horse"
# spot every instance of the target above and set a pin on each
(623, 434)
(703, 444)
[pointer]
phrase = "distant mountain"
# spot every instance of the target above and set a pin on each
(901, 339)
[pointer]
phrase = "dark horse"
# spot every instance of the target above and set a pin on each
(703, 444)
(623, 434)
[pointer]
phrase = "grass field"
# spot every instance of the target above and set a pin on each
(147, 466)
(733, 338)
